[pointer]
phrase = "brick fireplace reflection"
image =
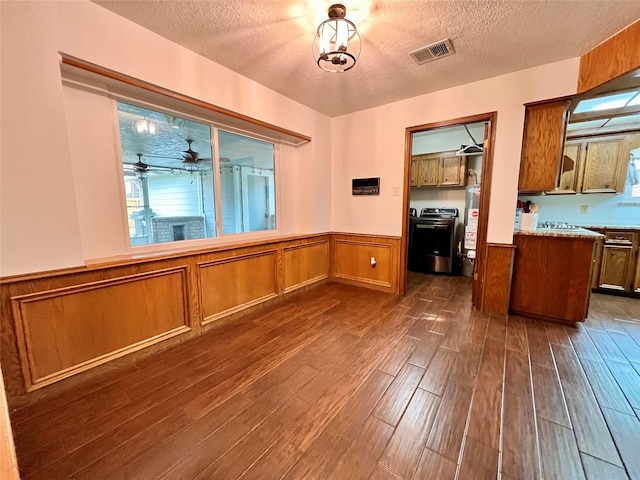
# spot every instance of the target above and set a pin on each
(170, 229)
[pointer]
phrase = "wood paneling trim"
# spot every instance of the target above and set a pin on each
(498, 272)
(305, 264)
(55, 328)
(239, 282)
(387, 278)
(614, 57)
(350, 261)
(290, 137)
(153, 257)
(483, 223)
(237, 308)
(130, 275)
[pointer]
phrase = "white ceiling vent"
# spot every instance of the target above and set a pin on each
(432, 52)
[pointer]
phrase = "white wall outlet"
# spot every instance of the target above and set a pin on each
(584, 209)
(396, 191)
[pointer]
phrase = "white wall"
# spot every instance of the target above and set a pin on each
(175, 195)
(603, 209)
(370, 143)
(445, 139)
(43, 222)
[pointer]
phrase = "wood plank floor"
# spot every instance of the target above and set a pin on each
(346, 383)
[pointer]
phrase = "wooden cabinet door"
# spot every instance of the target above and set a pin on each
(615, 261)
(430, 170)
(636, 281)
(636, 277)
(415, 172)
(603, 163)
(452, 171)
(597, 263)
(569, 168)
(542, 145)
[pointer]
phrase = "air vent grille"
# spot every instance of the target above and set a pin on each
(432, 52)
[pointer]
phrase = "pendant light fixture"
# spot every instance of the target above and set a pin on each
(144, 126)
(337, 45)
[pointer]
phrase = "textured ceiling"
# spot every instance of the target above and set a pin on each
(270, 41)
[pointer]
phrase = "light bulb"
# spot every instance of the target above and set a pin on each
(143, 126)
(342, 34)
(324, 39)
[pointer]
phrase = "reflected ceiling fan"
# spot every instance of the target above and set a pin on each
(141, 169)
(190, 159)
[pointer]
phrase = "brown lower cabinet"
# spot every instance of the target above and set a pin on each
(552, 276)
(617, 268)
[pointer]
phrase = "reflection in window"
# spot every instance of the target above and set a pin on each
(168, 176)
(607, 102)
(169, 166)
(247, 183)
(632, 184)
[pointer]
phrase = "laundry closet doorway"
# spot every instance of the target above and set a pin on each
(486, 147)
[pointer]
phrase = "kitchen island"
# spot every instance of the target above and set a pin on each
(552, 273)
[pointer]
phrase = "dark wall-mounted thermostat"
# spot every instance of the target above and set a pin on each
(365, 186)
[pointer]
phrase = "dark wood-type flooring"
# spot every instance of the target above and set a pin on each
(346, 383)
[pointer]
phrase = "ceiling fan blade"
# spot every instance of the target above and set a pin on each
(146, 167)
(168, 157)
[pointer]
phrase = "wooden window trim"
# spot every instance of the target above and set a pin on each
(277, 133)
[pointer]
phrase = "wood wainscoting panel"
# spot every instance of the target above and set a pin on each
(305, 264)
(614, 57)
(497, 284)
(65, 331)
(231, 284)
(351, 261)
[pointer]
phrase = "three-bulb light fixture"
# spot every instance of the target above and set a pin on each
(144, 126)
(337, 45)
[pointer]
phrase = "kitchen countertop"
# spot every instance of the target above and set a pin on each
(612, 227)
(558, 232)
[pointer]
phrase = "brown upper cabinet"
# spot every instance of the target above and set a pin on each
(591, 162)
(569, 168)
(425, 170)
(542, 145)
(441, 169)
(596, 164)
(605, 165)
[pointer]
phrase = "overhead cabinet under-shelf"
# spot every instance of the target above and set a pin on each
(442, 169)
